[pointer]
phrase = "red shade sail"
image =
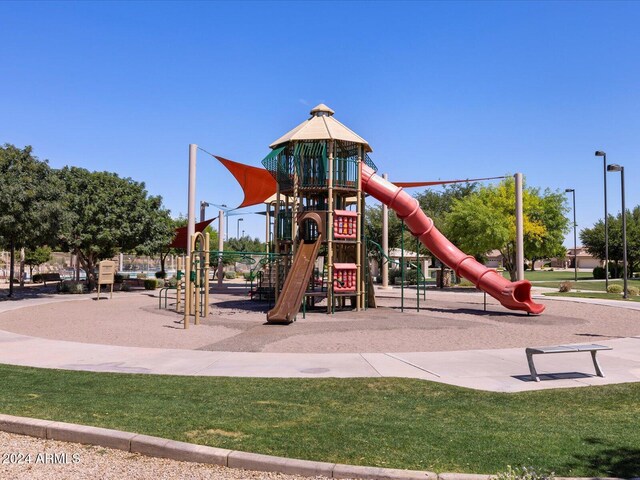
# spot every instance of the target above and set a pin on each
(257, 183)
(180, 240)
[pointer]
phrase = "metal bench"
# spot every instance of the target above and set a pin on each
(593, 349)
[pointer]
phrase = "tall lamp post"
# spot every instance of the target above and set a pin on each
(619, 168)
(600, 153)
(575, 241)
(203, 206)
(238, 227)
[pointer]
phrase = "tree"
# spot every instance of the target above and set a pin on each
(550, 211)
(161, 233)
(485, 221)
(593, 240)
(245, 244)
(106, 215)
(30, 207)
(36, 257)
(436, 204)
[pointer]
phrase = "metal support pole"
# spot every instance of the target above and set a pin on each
(187, 289)
(606, 227)
(519, 229)
(385, 242)
(207, 239)
(360, 214)
(221, 222)
(624, 236)
(418, 271)
(575, 240)
(191, 211)
(330, 208)
(402, 266)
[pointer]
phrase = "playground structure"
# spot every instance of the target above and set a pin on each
(318, 215)
(196, 280)
(322, 172)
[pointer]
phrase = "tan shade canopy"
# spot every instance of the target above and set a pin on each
(321, 126)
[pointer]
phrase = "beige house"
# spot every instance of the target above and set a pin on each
(585, 260)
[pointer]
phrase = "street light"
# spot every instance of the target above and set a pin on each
(600, 153)
(575, 242)
(203, 205)
(238, 227)
(619, 168)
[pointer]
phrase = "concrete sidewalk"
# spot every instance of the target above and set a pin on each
(503, 370)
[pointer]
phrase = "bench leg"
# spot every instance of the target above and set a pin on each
(596, 364)
(532, 368)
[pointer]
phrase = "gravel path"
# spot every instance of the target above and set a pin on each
(50, 459)
(446, 321)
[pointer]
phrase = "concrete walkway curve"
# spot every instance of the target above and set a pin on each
(498, 370)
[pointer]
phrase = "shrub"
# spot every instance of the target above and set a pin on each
(72, 287)
(614, 271)
(141, 276)
(230, 275)
(172, 282)
(633, 291)
(522, 473)
(393, 274)
(125, 287)
(614, 288)
(161, 274)
(565, 287)
(598, 273)
(118, 278)
(249, 276)
(151, 284)
(37, 278)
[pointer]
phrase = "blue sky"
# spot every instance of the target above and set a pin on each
(440, 90)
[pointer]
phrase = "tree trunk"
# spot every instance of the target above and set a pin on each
(22, 267)
(162, 261)
(88, 265)
(12, 257)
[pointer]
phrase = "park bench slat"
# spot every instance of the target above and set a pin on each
(591, 348)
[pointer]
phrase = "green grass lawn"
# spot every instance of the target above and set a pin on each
(554, 276)
(398, 423)
(607, 296)
(594, 285)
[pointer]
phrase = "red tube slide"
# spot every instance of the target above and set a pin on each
(512, 295)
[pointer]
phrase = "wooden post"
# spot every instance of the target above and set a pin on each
(330, 230)
(294, 208)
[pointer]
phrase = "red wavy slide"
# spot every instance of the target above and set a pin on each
(512, 295)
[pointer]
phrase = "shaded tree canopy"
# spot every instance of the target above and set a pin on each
(30, 207)
(593, 238)
(107, 214)
(485, 221)
(36, 257)
(436, 204)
